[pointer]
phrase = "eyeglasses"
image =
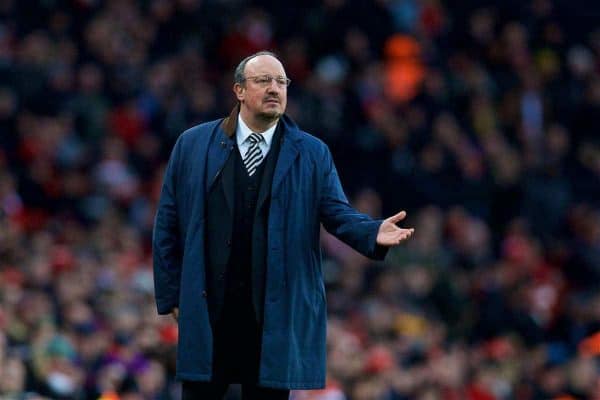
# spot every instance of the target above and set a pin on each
(265, 80)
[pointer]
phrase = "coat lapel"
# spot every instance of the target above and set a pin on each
(288, 152)
(271, 161)
(222, 146)
(217, 155)
(229, 180)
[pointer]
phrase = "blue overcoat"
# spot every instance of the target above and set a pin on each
(306, 191)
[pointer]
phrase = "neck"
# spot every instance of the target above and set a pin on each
(256, 123)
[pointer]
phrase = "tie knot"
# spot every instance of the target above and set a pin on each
(255, 138)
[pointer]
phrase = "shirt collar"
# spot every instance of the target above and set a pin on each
(243, 132)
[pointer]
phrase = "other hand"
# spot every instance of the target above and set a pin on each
(390, 234)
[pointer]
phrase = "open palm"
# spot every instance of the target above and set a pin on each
(390, 234)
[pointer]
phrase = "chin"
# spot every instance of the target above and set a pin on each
(270, 115)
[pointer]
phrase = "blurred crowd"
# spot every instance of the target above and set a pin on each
(479, 118)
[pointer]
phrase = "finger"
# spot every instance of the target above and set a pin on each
(398, 217)
(406, 234)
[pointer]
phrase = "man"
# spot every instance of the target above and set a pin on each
(236, 244)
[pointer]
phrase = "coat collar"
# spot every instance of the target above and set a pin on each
(229, 125)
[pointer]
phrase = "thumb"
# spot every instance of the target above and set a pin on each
(398, 217)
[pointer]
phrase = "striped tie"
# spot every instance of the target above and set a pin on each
(254, 155)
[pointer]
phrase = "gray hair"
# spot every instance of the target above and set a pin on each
(238, 75)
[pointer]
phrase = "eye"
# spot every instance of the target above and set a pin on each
(262, 80)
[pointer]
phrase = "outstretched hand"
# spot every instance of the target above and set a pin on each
(390, 234)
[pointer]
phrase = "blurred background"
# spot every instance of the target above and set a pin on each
(480, 118)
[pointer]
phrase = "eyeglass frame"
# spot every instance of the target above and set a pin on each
(269, 79)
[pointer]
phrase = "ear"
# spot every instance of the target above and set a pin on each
(239, 91)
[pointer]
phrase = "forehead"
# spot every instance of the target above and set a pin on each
(264, 64)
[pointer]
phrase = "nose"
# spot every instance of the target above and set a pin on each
(273, 86)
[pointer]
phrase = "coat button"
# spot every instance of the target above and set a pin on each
(223, 144)
(221, 276)
(204, 293)
(228, 242)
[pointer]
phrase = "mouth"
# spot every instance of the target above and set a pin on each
(272, 101)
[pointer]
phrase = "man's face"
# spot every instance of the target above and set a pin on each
(258, 99)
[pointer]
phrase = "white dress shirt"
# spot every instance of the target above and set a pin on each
(243, 132)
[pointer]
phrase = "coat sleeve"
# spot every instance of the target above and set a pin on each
(166, 240)
(357, 230)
